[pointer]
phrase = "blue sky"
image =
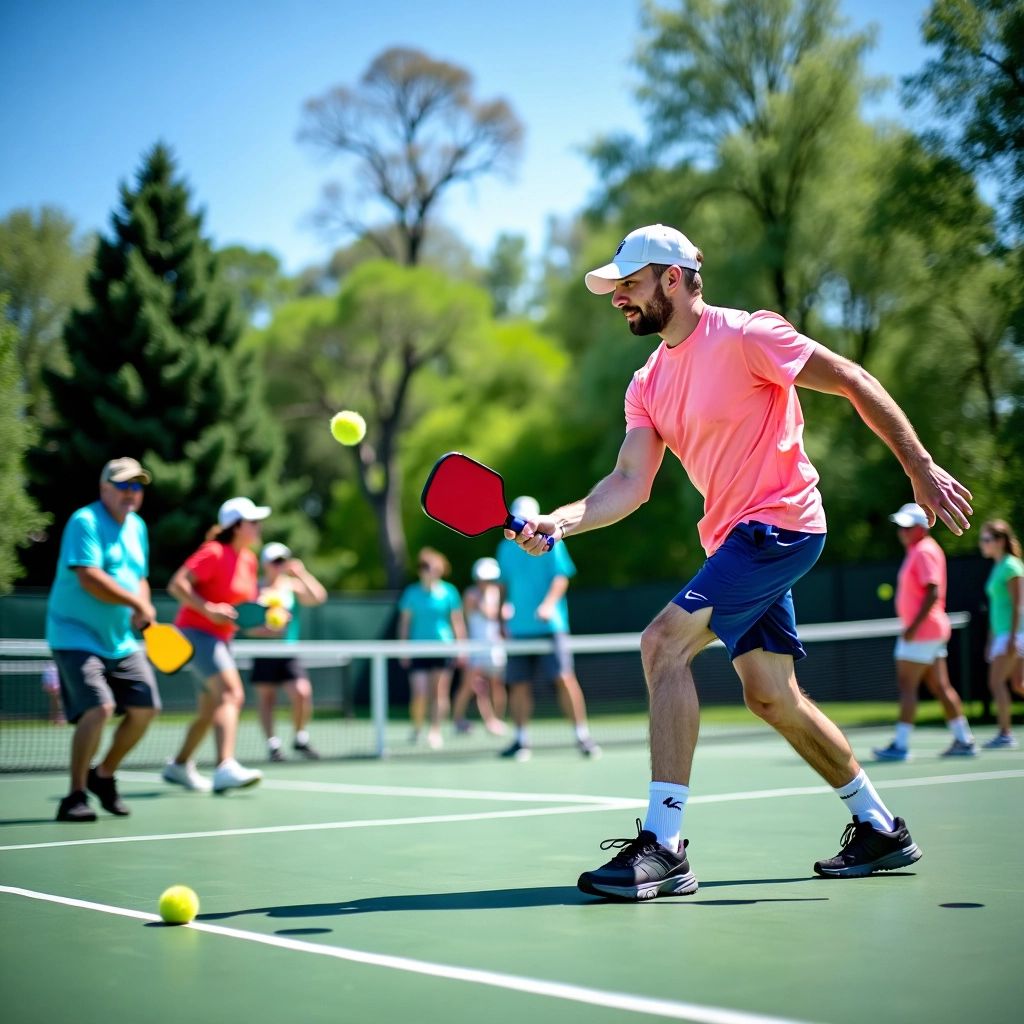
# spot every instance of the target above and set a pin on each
(85, 88)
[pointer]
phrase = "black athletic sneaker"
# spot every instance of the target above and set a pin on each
(75, 807)
(866, 850)
(641, 870)
(106, 790)
(306, 751)
(275, 754)
(517, 752)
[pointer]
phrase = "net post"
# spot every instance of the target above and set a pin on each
(379, 701)
(965, 661)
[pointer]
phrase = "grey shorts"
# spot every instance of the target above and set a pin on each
(539, 668)
(211, 656)
(88, 681)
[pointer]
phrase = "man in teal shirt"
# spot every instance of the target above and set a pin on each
(100, 596)
(535, 590)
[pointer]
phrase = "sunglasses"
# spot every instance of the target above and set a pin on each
(127, 485)
(986, 538)
(425, 565)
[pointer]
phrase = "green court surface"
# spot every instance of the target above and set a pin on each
(441, 888)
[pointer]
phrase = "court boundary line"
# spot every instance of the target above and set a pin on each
(612, 804)
(607, 999)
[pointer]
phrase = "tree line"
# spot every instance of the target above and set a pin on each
(220, 372)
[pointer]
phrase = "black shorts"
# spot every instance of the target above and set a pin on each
(540, 668)
(274, 671)
(88, 681)
(431, 664)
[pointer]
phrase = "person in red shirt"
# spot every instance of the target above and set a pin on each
(921, 649)
(221, 574)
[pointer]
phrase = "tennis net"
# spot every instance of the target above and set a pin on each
(361, 692)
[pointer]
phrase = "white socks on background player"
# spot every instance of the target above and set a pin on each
(666, 802)
(957, 726)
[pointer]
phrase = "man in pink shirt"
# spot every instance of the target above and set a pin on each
(921, 650)
(719, 393)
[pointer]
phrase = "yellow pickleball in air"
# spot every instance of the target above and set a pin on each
(348, 427)
(885, 591)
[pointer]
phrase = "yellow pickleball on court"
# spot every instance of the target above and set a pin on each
(178, 905)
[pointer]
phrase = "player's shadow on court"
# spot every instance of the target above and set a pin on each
(487, 899)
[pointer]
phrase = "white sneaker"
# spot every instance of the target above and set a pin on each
(187, 776)
(231, 775)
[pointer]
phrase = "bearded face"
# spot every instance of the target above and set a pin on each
(653, 316)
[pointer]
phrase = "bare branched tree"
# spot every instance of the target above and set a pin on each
(412, 129)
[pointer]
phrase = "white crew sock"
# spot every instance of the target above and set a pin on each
(274, 743)
(522, 736)
(665, 806)
(860, 799)
(903, 731)
(960, 729)
(582, 732)
(302, 738)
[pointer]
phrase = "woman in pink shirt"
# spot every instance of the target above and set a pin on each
(221, 574)
(719, 393)
(921, 650)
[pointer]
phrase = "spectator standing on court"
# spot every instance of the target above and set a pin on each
(430, 609)
(1005, 650)
(719, 392)
(99, 598)
(535, 590)
(286, 583)
(484, 673)
(220, 574)
(921, 649)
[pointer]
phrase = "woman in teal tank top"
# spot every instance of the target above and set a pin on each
(1005, 651)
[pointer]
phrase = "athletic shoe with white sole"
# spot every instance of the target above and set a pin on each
(891, 753)
(517, 752)
(187, 776)
(588, 748)
(866, 850)
(642, 870)
(106, 790)
(1002, 741)
(960, 749)
(231, 775)
(75, 807)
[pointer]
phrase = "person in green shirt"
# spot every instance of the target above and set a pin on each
(1005, 652)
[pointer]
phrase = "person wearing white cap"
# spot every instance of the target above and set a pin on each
(286, 581)
(219, 575)
(483, 675)
(535, 591)
(720, 392)
(921, 649)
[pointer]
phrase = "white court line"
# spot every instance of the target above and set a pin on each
(356, 789)
(609, 804)
(532, 986)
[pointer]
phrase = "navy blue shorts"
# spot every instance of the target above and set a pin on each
(748, 584)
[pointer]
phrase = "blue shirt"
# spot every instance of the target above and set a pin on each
(75, 620)
(430, 610)
(527, 580)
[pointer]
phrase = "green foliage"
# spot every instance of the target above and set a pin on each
(21, 518)
(157, 372)
(977, 86)
(42, 271)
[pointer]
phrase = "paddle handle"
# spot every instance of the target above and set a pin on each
(516, 525)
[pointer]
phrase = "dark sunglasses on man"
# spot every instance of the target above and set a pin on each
(128, 485)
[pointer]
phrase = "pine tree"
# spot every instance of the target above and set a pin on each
(157, 373)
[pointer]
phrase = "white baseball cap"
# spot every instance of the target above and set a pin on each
(274, 552)
(525, 507)
(910, 514)
(234, 510)
(655, 243)
(486, 569)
